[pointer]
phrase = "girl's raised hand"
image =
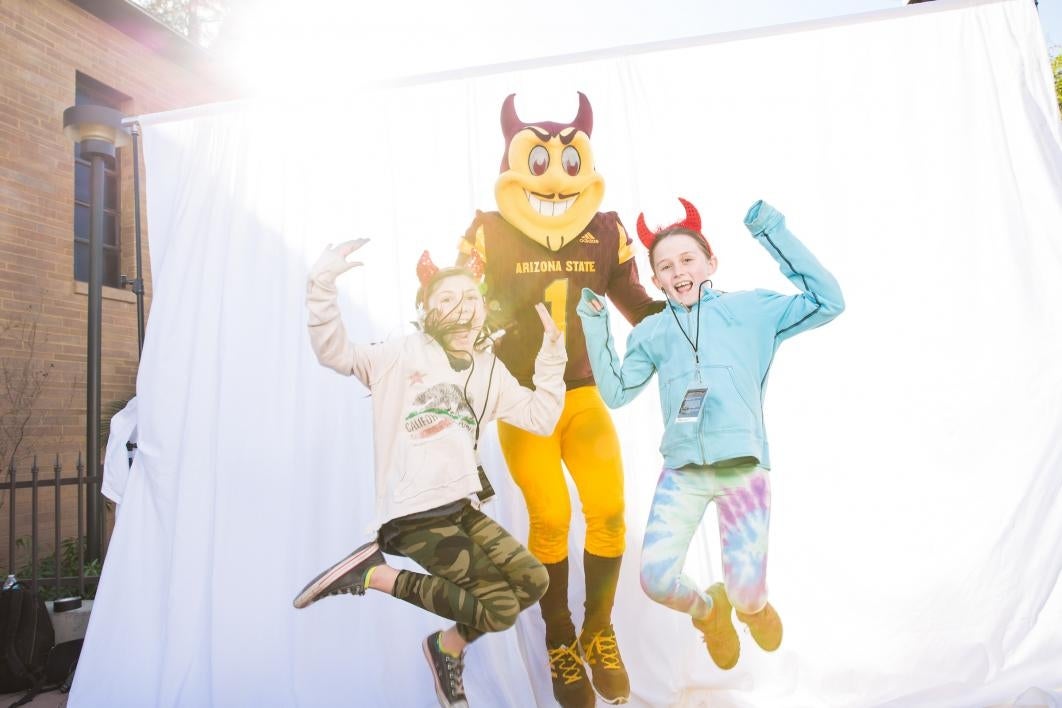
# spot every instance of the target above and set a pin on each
(333, 261)
(346, 248)
(550, 327)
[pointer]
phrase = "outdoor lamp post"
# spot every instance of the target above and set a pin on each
(99, 131)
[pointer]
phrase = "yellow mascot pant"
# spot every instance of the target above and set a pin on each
(585, 439)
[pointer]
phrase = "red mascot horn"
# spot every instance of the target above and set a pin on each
(510, 122)
(425, 269)
(584, 119)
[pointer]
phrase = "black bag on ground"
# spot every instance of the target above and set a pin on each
(58, 671)
(26, 637)
(62, 661)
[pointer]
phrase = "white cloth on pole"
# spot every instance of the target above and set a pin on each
(116, 458)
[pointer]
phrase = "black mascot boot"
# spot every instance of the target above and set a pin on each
(571, 687)
(597, 641)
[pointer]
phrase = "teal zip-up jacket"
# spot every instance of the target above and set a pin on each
(739, 334)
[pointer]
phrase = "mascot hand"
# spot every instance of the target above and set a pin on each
(333, 261)
(552, 334)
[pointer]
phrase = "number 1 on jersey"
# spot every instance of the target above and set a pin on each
(556, 294)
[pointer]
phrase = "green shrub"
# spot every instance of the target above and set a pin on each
(68, 566)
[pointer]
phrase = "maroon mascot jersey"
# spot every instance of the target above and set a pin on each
(520, 273)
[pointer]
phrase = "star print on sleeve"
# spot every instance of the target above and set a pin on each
(417, 377)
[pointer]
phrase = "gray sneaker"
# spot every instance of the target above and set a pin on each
(446, 670)
(346, 576)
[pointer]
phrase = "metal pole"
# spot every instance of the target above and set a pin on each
(98, 130)
(58, 469)
(80, 548)
(34, 542)
(138, 282)
(11, 509)
(95, 318)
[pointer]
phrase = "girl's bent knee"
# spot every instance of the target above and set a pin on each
(499, 621)
(537, 584)
(657, 588)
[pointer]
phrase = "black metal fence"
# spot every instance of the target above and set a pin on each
(61, 575)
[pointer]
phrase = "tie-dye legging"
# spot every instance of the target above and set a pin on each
(742, 494)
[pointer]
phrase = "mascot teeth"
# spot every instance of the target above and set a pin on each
(545, 207)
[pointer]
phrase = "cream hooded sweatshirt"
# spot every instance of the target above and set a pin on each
(423, 425)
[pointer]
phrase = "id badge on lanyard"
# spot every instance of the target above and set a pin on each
(693, 402)
(690, 409)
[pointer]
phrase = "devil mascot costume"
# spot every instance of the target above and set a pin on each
(547, 242)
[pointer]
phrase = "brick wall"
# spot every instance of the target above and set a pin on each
(43, 45)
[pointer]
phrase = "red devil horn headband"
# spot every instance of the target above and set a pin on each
(476, 264)
(692, 222)
(426, 269)
(644, 234)
(693, 219)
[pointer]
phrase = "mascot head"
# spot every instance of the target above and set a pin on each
(548, 187)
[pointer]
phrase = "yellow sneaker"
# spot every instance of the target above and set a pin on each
(765, 626)
(718, 629)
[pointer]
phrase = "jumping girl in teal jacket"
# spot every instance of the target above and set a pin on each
(712, 351)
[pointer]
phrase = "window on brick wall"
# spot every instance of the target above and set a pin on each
(92, 92)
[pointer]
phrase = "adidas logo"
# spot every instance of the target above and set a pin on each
(588, 238)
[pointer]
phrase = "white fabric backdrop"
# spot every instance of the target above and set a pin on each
(917, 440)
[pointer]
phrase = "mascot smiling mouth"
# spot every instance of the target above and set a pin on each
(548, 187)
(545, 205)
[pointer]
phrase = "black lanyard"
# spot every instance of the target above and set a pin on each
(696, 341)
(487, 490)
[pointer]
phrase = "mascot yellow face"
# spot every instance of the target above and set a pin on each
(548, 187)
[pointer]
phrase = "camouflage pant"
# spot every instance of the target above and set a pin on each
(480, 576)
